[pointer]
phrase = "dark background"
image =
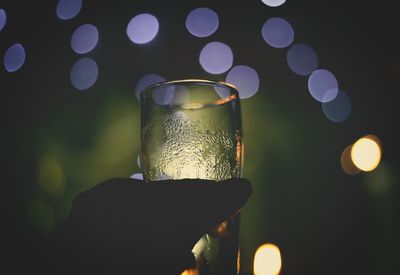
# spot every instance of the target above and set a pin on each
(323, 220)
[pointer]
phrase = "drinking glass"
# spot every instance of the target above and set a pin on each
(192, 129)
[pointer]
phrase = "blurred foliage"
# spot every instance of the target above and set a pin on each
(77, 148)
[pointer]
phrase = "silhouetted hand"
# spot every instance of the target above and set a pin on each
(127, 226)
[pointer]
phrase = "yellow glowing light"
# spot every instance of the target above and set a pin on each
(51, 176)
(192, 106)
(189, 272)
(366, 153)
(267, 260)
(346, 162)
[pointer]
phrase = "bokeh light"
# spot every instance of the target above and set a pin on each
(146, 81)
(170, 94)
(245, 79)
(382, 180)
(302, 59)
(273, 3)
(202, 22)
(84, 73)
(138, 176)
(267, 260)
(138, 161)
(338, 109)
(322, 85)
(68, 9)
(42, 216)
(51, 179)
(119, 148)
(84, 38)
(347, 163)
(191, 271)
(3, 18)
(366, 153)
(142, 28)
(14, 58)
(216, 58)
(277, 32)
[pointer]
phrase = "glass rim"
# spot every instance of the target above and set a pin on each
(190, 81)
(233, 95)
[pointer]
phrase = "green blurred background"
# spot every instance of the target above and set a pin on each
(58, 141)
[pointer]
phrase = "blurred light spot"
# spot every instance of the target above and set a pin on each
(346, 162)
(221, 230)
(67, 9)
(322, 85)
(381, 181)
(366, 154)
(202, 22)
(142, 28)
(170, 94)
(273, 3)
(138, 161)
(191, 105)
(14, 58)
(146, 81)
(238, 262)
(84, 73)
(237, 153)
(138, 176)
(115, 141)
(277, 32)
(165, 95)
(245, 80)
(191, 271)
(51, 177)
(374, 138)
(42, 216)
(181, 96)
(84, 38)
(3, 18)
(216, 58)
(267, 260)
(302, 59)
(338, 109)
